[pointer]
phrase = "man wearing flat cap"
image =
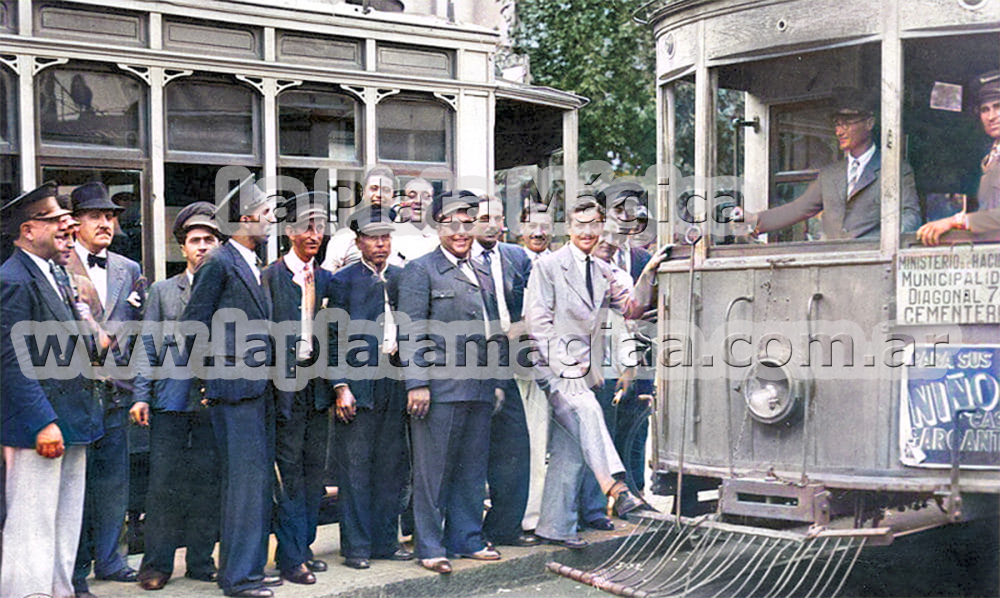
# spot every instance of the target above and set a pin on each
(182, 504)
(118, 282)
(450, 418)
(986, 219)
(47, 423)
(295, 285)
(847, 192)
(370, 405)
(242, 409)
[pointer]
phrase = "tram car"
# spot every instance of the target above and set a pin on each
(781, 415)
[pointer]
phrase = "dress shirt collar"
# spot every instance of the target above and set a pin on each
(295, 264)
(374, 270)
(248, 255)
(862, 160)
(83, 252)
(45, 266)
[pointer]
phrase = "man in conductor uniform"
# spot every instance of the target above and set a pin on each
(48, 423)
(242, 410)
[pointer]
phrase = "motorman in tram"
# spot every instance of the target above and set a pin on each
(987, 218)
(847, 192)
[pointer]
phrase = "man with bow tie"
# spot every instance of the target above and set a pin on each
(117, 281)
(370, 409)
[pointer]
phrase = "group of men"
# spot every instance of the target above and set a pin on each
(233, 460)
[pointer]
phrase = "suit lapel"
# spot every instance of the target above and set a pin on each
(184, 290)
(574, 278)
(507, 268)
(52, 298)
(116, 283)
(868, 175)
(444, 265)
(249, 280)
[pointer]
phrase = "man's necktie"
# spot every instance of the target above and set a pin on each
(308, 310)
(65, 288)
(489, 294)
(501, 296)
(853, 174)
(96, 260)
(590, 280)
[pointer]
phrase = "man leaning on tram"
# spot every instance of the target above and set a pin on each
(987, 218)
(847, 192)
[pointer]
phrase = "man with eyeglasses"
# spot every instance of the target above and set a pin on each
(47, 422)
(848, 192)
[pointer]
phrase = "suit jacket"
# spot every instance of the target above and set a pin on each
(286, 301)
(565, 322)
(224, 280)
(986, 221)
(516, 272)
(857, 216)
(432, 288)
(357, 290)
(29, 405)
(165, 303)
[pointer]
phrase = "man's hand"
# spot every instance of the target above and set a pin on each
(49, 442)
(418, 402)
(345, 406)
(658, 258)
(140, 413)
(498, 398)
(930, 233)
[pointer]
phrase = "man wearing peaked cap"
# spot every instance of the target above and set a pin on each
(847, 192)
(986, 220)
(295, 284)
(376, 194)
(242, 409)
(120, 292)
(182, 504)
(370, 409)
(47, 422)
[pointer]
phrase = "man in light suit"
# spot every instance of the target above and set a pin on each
(849, 191)
(118, 282)
(182, 505)
(450, 418)
(48, 423)
(370, 403)
(242, 410)
(564, 310)
(296, 286)
(510, 453)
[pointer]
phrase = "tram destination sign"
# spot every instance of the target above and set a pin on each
(958, 287)
(950, 407)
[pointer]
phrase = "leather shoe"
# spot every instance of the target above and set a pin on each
(316, 565)
(401, 554)
(253, 593)
(572, 543)
(210, 577)
(355, 562)
(439, 565)
(271, 581)
(152, 579)
(603, 524)
(486, 553)
(125, 574)
(526, 540)
(301, 575)
(626, 503)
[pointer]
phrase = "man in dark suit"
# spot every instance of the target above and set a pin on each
(450, 417)
(509, 467)
(370, 409)
(849, 191)
(117, 282)
(242, 410)
(46, 423)
(295, 284)
(182, 504)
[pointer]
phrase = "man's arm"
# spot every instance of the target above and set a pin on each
(802, 208)
(206, 291)
(415, 302)
(910, 219)
(142, 393)
(539, 318)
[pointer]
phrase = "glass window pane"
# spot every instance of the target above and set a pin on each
(205, 116)
(8, 115)
(80, 106)
(411, 130)
(317, 125)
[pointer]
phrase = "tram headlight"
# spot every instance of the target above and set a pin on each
(771, 392)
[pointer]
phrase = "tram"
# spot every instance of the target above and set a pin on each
(780, 422)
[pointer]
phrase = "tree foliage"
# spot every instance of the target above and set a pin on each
(593, 48)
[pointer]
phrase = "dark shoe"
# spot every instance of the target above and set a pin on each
(603, 524)
(126, 575)
(439, 565)
(253, 593)
(85, 594)
(210, 577)
(401, 554)
(626, 503)
(300, 575)
(271, 581)
(526, 540)
(316, 565)
(486, 553)
(356, 562)
(572, 543)
(151, 579)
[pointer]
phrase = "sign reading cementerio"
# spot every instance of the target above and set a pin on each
(958, 287)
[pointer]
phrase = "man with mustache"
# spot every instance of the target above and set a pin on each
(376, 194)
(47, 423)
(117, 282)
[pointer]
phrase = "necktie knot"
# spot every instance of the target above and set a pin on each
(97, 260)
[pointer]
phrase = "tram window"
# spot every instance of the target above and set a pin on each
(683, 151)
(92, 106)
(413, 129)
(10, 183)
(211, 117)
(318, 125)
